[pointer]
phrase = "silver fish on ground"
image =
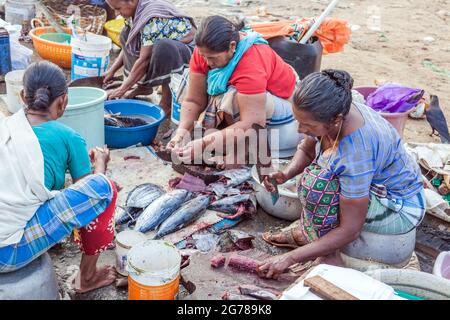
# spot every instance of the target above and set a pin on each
(143, 195)
(228, 204)
(127, 214)
(236, 176)
(160, 209)
(185, 215)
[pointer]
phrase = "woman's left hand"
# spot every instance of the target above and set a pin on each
(191, 151)
(116, 94)
(276, 266)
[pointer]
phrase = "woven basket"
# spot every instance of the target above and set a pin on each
(92, 17)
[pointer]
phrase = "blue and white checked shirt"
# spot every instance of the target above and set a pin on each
(374, 155)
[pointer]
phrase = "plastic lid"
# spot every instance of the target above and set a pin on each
(154, 257)
(129, 238)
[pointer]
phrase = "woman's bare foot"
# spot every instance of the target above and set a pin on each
(139, 91)
(90, 277)
(283, 238)
(102, 277)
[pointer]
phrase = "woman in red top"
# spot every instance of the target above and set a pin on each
(258, 89)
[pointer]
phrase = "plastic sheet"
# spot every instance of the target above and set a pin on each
(333, 33)
(394, 98)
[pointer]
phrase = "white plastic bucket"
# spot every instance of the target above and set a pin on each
(14, 85)
(125, 240)
(16, 11)
(90, 58)
(442, 265)
(14, 32)
(154, 271)
(85, 114)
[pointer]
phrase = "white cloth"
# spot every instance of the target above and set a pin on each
(22, 189)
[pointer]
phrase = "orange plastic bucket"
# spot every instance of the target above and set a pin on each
(154, 271)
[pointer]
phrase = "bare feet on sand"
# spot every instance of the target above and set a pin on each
(101, 277)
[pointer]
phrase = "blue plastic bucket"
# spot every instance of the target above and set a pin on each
(125, 137)
(176, 110)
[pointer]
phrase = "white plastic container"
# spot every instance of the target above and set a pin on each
(14, 85)
(16, 11)
(14, 31)
(85, 114)
(442, 265)
(90, 58)
(125, 240)
(154, 271)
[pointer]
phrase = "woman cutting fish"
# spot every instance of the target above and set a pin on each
(157, 42)
(361, 193)
(36, 212)
(235, 81)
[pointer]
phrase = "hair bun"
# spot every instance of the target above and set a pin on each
(41, 100)
(342, 78)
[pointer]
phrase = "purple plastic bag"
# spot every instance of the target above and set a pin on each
(394, 98)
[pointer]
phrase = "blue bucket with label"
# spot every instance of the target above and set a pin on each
(90, 58)
(176, 110)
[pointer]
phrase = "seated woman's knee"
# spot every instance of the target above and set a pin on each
(100, 181)
(162, 46)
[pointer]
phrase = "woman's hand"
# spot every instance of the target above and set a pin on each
(176, 142)
(116, 94)
(276, 266)
(99, 158)
(108, 79)
(279, 177)
(191, 152)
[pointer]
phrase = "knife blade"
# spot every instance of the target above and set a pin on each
(260, 166)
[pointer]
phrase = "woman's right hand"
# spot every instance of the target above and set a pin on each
(279, 177)
(99, 158)
(176, 142)
(108, 79)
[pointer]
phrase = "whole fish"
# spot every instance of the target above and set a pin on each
(160, 209)
(188, 212)
(143, 195)
(236, 176)
(128, 214)
(229, 204)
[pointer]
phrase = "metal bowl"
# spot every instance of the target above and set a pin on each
(288, 206)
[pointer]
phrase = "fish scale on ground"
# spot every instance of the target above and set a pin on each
(160, 209)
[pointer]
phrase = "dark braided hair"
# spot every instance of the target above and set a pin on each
(325, 94)
(43, 82)
(216, 33)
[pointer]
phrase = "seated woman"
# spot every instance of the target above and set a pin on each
(358, 182)
(156, 42)
(235, 81)
(36, 152)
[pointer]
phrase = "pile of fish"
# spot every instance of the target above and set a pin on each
(149, 208)
(117, 120)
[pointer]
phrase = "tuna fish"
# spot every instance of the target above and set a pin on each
(236, 176)
(188, 212)
(229, 204)
(128, 214)
(142, 196)
(160, 209)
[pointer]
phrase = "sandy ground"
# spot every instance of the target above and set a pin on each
(387, 45)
